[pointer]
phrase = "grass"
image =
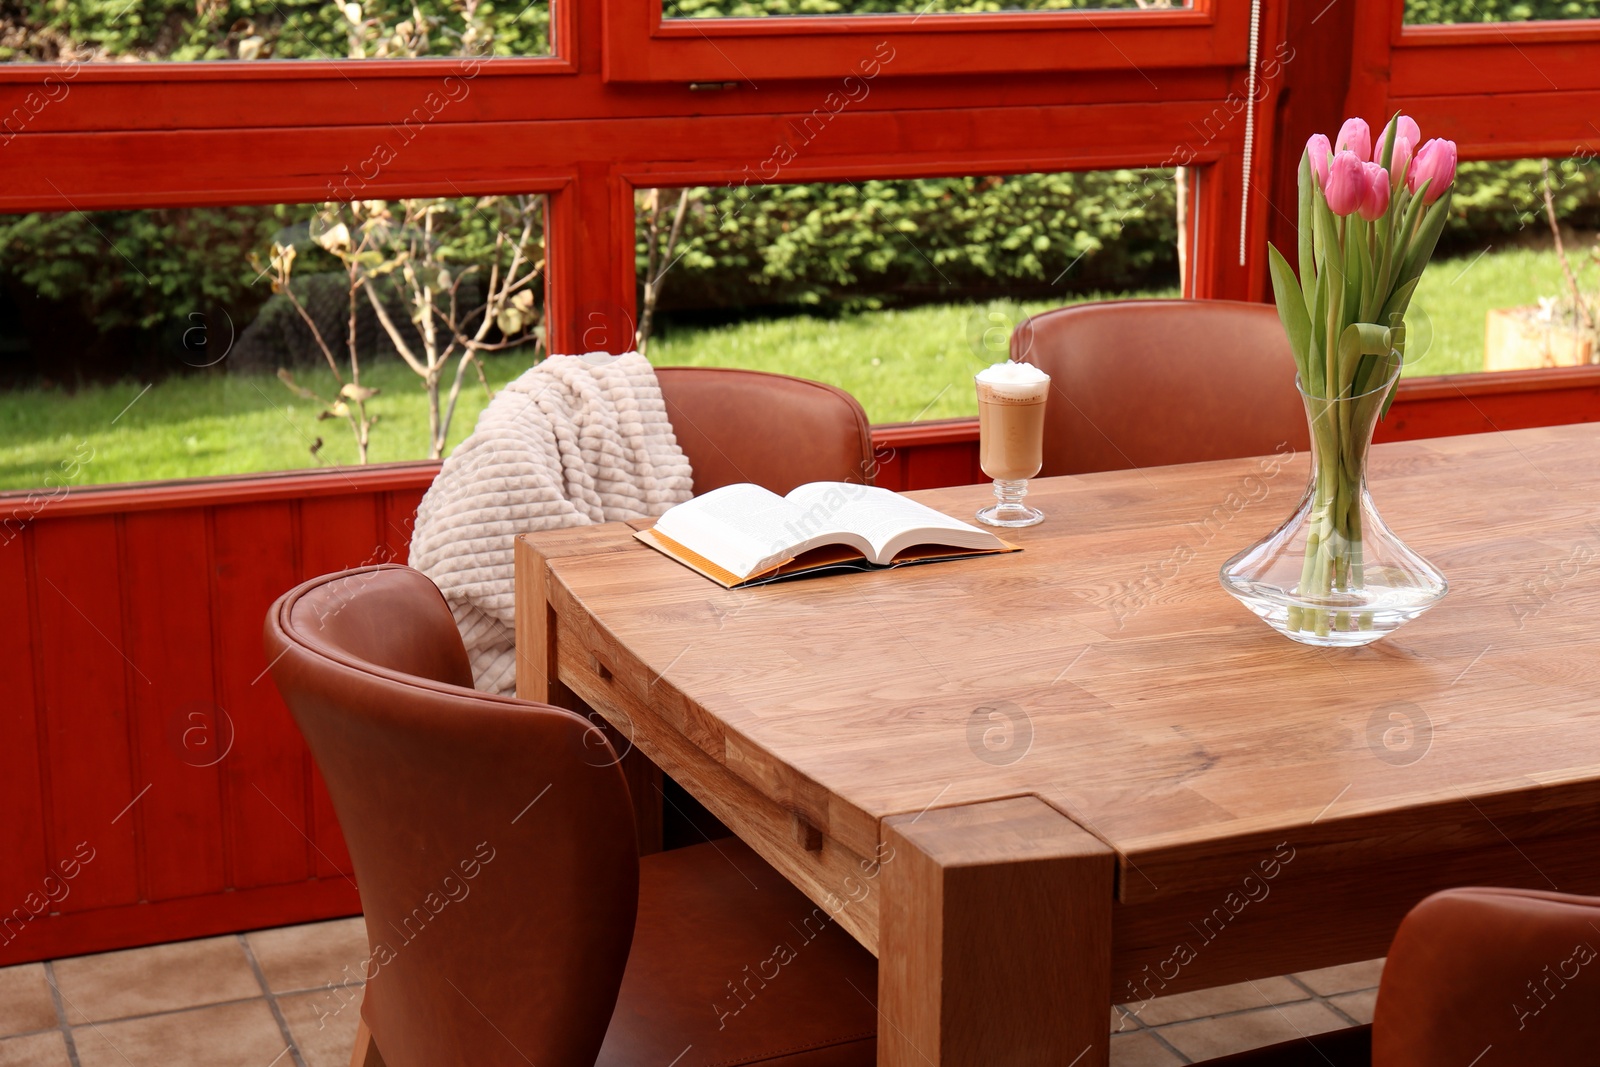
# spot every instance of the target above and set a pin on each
(1455, 295)
(214, 423)
(902, 365)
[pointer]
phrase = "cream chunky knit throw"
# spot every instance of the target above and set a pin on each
(576, 440)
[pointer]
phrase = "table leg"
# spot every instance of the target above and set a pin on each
(995, 939)
(539, 680)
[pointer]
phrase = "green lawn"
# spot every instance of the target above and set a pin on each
(214, 423)
(902, 365)
(1456, 294)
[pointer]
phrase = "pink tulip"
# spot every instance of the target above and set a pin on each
(1400, 159)
(1435, 163)
(1320, 151)
(1347, 183)
(1355, 136)
(1375, 198)
(1407, 128)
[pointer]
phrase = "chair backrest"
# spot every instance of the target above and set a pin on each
(1493, 977)
(492, 838)
(1143, 383)
(770, 429)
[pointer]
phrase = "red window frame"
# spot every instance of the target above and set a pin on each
(172, 134)
(1499, 90)
(642, 45)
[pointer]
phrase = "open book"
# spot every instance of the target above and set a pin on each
(744, 534)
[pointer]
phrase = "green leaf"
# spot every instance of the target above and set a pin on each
(1359, 341)
(1291, 307)
(1307, 230)
(1421, 249)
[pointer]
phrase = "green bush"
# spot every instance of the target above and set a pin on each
(137, 269)
(1495, 199)
(875, 242)
(269, 29)
(1432, 12)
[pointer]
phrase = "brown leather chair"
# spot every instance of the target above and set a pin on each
(1144, 383)
(770, 429)
(509, 916)
(1487, 977)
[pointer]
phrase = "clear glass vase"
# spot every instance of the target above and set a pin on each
(1334, 574)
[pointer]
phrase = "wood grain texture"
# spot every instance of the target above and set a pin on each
(995, 944)
(1104, 672)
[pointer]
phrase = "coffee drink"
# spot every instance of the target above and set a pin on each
(1011, 399)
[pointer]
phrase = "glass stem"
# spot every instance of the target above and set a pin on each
(1010, 493)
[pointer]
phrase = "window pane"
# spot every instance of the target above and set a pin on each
(758, 8)
(181, 343)
(1435, 12)
(897, 291)
(1496, 295)
(125, 30)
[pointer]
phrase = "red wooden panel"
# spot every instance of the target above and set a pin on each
(889, 471)
(86, 671)
(179, 920)
(22, 830)
(253, 547)
(935, 466)
(181, 734)
(228, 489)
(399, 520)
(1432, 65)
(641, 46)
(1479, 403)
(175, 96)
(336, 533)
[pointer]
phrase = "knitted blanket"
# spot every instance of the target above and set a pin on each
(576, 440)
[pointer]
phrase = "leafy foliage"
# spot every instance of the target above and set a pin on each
(269, 29)
(139, 268)
(1433, 12)
(877, 242)
(1506, 197)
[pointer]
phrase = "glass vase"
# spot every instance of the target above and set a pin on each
(1334, 574)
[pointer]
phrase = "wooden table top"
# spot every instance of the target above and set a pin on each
(1104, 670)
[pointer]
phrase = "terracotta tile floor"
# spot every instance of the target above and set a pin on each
(276, 998)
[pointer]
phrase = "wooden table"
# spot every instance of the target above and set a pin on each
(1042, 783)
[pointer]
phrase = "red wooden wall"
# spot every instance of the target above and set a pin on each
(153, 784)
(141, 729)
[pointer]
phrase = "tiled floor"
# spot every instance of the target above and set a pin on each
(279, 997)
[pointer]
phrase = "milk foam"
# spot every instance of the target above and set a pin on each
(1012, 379)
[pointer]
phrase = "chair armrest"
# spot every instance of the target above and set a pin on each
(1491, 976)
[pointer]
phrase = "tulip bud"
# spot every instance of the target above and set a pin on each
(1375, 198)
(1318, 149)
(1347, 183)
(1355, 136)
(1404, 126)
(1435, 163)
(1400, 159)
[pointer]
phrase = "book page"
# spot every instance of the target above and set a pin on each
(887, 522)
(746, 529)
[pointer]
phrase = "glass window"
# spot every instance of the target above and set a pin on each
(1441, 12)
(897, 291)
(1503, 292)
(133, 30)
(180, 343)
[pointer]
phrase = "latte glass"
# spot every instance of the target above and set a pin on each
(1011, 438)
